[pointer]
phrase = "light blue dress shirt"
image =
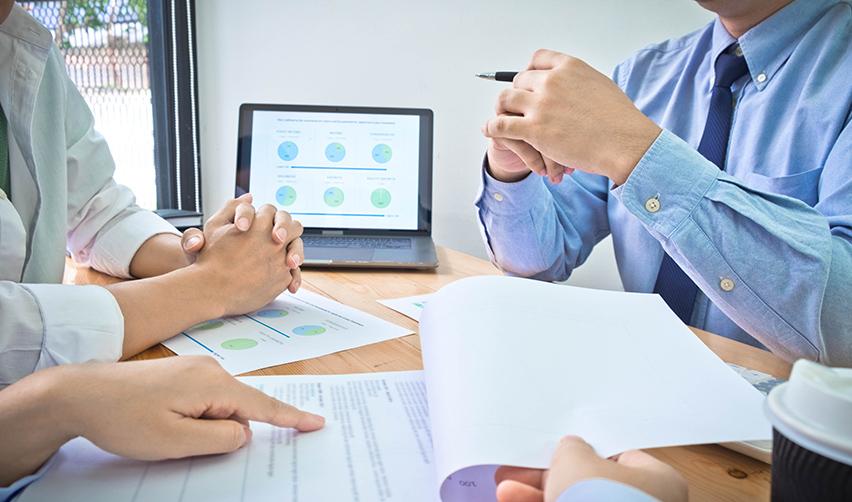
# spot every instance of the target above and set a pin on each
(768, 241)
(600, 489)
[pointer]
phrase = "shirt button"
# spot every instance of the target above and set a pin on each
(761, 77)
(726, 284)
(738, 51)
(498, 197)
(652, 205)
(2, 195)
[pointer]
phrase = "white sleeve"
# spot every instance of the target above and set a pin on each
(44, 325)
(105, 226)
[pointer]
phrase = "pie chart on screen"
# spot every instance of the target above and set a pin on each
(335, 152)
(288, 150)
(382, 153)
(380, 198)
(333, 196)
(286, 195)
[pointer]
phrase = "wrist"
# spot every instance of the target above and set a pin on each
(212, 288)
(632, 149)
(501, 174)
(159, 255)
(34, 423)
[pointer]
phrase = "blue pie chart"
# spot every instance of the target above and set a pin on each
(382, 153)
(335, 152)
(286, 195)
(288, 150)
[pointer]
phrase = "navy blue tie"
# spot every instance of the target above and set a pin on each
(676, 288)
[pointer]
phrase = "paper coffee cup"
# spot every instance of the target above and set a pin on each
(811, 416)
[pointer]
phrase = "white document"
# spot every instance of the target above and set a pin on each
(511, 366)
(376, 446)
(409, 306)
(291, 328)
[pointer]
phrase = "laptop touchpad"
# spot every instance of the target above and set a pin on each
(339, 254)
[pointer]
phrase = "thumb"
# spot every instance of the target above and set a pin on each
(515, 491)
(200, 436)
(192, 241)
(573, 461)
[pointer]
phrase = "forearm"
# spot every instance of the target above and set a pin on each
(159, 307)
(159, 255)
(778, 253)
(34, 421)
(543, 231)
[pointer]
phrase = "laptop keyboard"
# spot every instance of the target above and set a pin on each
(358, 242)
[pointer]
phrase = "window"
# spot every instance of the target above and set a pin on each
(134, 63)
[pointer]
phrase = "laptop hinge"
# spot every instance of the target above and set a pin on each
(332, 232)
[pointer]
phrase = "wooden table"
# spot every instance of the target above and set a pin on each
(714, 473)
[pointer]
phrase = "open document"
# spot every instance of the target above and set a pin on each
(376, 446)
(291, 328)
(409, 306)
(511, 366)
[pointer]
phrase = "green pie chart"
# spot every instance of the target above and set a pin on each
(333, 196)
(239, 344)
(309, 330)
(213, 324)
(380, 198)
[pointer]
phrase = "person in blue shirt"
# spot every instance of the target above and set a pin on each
(720, 162)
(578, 474)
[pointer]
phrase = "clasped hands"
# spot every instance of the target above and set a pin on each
(560, 115)
(249, 255)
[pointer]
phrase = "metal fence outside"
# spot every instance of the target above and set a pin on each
(104, 43)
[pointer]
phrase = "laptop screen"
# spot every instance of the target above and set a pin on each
(338, 170)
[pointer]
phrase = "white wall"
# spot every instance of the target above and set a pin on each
(408, 54)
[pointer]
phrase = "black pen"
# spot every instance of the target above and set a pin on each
(500, 76)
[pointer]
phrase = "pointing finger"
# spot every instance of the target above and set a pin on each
(253, 404)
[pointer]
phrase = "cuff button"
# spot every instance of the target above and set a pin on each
(652, 205)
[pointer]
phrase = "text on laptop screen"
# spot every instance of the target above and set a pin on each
(337, 170)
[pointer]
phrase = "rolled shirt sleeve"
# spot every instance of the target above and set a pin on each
(116, 246)
(46, 325)
(766, 260)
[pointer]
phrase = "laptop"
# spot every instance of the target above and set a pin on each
(359, 179)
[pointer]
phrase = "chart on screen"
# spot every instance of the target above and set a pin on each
(332, 169)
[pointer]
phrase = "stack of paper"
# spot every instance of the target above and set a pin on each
(511, 366)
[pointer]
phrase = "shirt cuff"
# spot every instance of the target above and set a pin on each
(81, 323)
(9, 492)
(114, 250)
(667, 184)
(505, 199)
(593, 490)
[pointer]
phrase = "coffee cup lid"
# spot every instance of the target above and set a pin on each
(814, 409)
